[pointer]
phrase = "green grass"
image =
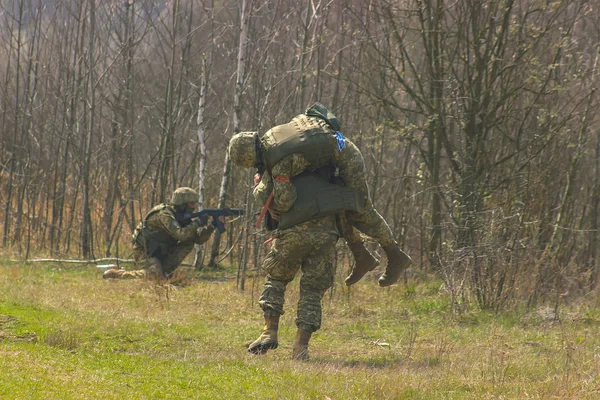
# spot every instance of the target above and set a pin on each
(67, 334)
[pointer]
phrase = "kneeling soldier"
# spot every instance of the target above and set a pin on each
(161, 242)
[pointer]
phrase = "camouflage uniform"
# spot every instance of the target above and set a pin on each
(165, 260)
(351, 170)
(308, 246)
(283, 163)
(160, 242)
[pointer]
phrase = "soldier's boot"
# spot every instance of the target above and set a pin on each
(364, 262)
(115, 273)
(300, 350)
(398, 262)
(112, 273)
(267, 339)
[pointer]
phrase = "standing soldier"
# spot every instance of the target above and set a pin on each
(306, 242)
(309, 247)
(161, 242)
(313, 142)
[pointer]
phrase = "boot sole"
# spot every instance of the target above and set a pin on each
(352, 279)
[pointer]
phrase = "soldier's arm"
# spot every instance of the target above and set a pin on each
(203, 234)
(263, 190)
(167, 222)
(352, 166)
(285, 191)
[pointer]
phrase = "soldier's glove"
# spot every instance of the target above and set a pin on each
(201, 221)
(214, 223)
(204, 234)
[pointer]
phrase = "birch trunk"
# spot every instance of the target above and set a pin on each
(237, 108)
(202, 160)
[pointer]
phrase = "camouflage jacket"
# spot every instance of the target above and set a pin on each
(160, 231)
(349, 161)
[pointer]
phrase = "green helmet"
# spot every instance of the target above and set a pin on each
(242, 149)
(183, 195)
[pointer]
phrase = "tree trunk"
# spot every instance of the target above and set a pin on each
(86, 217)
(202, 159)
(237, 109)
(13, 164)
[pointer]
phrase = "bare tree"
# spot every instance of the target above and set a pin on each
(245, 13)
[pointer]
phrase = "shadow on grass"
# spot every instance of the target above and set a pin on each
(367, 362)
(8, 324)
(214, 278)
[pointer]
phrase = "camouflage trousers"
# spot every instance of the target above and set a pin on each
(162, 266)
(308, 247)
(370, 222)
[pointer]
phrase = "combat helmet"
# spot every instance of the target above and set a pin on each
(318, 110)
(184, 195)
(242, 149)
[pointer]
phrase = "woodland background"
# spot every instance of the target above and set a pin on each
(478, 121)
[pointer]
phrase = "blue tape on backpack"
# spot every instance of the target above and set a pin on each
(341, 141)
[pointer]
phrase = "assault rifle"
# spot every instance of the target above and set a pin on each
(215, 213)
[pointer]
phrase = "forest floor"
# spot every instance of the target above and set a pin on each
(65, 333)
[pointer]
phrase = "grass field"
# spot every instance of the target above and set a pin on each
(65, 333)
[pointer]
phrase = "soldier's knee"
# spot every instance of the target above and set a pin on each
(153, 268)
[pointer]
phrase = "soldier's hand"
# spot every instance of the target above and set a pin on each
(257, 178)
(201, 221)
(220, 218)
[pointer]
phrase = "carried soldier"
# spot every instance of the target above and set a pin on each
(312, 181)
(289, 155)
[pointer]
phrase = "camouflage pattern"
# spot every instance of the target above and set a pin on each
(310, 247)
(263, 190)
(184, 195)
(172, 252)
(242, 151)
(352, 171)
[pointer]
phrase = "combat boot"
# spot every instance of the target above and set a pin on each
(115, 273)
(398, 262)
(300, 350)
(364, 262)
(268, 338)
(112, 273)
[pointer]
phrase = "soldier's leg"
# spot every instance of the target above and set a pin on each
(114, 273)
(370, 222)
(140, 258)
(318, 272)
(281, 266)
(176, 257)
(373, 224)
(153, 267)
(352, 172)
(364, 261)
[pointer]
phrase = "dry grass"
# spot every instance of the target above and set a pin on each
(70, 334)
